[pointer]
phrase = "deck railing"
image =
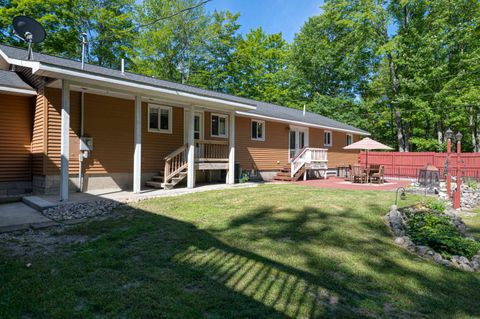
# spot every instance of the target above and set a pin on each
(211, 151)
(309, 156)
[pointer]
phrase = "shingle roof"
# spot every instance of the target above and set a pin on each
(12, 80)
(290, 114)
(263, 108)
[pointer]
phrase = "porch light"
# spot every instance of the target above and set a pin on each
(459, 136)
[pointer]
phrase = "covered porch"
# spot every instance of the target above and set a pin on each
(197, 153)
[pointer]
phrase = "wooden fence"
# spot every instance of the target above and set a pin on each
(408, 164)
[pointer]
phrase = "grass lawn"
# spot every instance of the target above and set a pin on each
(271, 251)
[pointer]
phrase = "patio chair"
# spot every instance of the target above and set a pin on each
(358, 175)
(378, 177)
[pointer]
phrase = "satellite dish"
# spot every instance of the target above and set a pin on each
(29, 30)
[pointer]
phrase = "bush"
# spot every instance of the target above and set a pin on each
(472, 183)
(438, 232)
(244, 177)
(436, 205)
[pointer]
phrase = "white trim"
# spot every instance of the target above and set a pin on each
(346, 139)
(10, 90)
(331, 138)
(275, 119)
(262, 139)
(170, 117)
(185, 122)
(137, 151)
(297, 130)
(136, 86)
(226, 125)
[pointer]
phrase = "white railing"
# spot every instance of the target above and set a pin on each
(315, 157)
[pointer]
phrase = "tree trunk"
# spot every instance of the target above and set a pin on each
(398, 116)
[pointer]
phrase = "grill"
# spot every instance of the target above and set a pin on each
(429, 176)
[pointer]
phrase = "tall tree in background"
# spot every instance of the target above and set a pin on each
(170, 48)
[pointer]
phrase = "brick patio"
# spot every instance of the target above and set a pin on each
(340, 183)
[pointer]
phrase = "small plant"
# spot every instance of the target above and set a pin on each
(436, 205)
(244, 177)
(472, 183)
(437, 231)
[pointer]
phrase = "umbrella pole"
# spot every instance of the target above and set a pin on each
(366, 158)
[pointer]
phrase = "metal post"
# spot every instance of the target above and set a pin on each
(191, 148)
(231, 148)
(458, 191)
(137, 155)
(449, 177)
(65, 141)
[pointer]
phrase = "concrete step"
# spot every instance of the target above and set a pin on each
(37, 203)
(154, 184)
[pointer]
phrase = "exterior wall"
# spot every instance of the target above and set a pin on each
(16, 120)
(268, 155)
(272, 154)
(208, 126)
(337, 156)
(110, 122)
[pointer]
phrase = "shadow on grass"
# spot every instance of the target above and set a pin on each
(147, 265)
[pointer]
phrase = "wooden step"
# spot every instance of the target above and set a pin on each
(167, 185)
(157, 178)
(154, 184)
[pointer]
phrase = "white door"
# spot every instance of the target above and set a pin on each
(298, 139)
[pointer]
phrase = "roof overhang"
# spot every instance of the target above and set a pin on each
(275, 119)
(126, 86)
(17, 91)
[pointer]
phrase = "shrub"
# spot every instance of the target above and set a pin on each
(472, 183)
(438, 232)
(244, 177)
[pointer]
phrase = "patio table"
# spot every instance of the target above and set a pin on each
(370, 172)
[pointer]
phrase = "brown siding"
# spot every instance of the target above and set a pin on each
(155, 146)
(110, 121)
(54, 96)
(337, 156)
(39, 138)
(16, 120)
(271, 154)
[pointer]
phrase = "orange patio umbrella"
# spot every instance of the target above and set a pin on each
(367, 144)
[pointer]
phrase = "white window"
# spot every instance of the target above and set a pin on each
(349, 139)
(159, 118)
(327, 138)
(258, 130)
(219, 125)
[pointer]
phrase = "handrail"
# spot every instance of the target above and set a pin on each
(308, 155)
(176, 152)
(211, 142)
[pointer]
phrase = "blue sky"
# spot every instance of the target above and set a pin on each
(286, 16)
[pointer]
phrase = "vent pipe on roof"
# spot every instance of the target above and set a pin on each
(123, 66)
(304, 109)
(84, 45)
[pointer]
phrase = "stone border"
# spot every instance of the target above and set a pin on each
(396, 221)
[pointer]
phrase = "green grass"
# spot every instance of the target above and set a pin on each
(271, 251)
(473, 224)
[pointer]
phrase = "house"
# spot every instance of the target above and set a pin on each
(66, 126)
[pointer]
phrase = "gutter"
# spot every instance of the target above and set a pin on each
(275, 119)
(11, 90)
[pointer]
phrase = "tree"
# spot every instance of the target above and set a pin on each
(170, 48)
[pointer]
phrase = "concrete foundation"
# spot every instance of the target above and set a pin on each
(15, 188)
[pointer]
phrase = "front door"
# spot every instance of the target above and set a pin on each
(298, 139)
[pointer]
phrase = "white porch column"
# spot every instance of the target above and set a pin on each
(231, 150)
(191, 148)
(137, 153)
(65, 141)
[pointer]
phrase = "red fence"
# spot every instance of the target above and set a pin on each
(408, 164)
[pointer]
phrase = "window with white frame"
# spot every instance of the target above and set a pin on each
(219, 125)
(258, 130)
(349, 139)
(159, 118)
(327, 138)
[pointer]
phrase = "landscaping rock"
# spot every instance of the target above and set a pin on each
(396, 220)
(72, 211)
